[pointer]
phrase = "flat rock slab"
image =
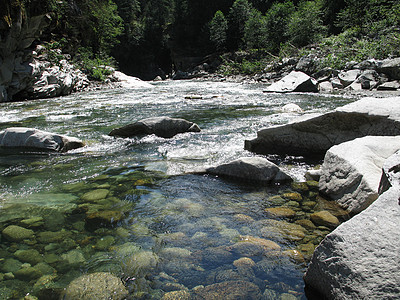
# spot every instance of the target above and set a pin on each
(352, 171)
(360, 258)
(160, 126)
(295, 81)
(314, 136)
(251, 169)
(35, 139)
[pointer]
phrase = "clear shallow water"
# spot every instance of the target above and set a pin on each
(117, 205)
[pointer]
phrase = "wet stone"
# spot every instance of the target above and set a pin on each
(17, 233)
(276, 200)
(325, 218)
(31, 256)
(177, 295)
(103, 218)
(307, 224)
(95, 195)
(105, 242)
(28, 273)
(242, 218)
(280, 212)
(100, 285)
(292, 196)
(46, 237)
(11, 265)
(32, 222)
(300, 186)
(230, 290)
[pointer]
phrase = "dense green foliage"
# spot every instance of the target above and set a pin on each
(148, 37)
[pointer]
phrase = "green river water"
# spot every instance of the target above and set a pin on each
(127, 206)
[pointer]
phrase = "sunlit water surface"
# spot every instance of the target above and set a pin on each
(125, 206)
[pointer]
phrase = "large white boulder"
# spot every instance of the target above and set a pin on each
(351, 171)
(251, 169)
(127, 81)
(31, 139)
(165, 127)
(295, 81)
(368, 116)
(360, 258)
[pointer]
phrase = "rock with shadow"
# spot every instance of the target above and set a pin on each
(251, 169)
(160, 126)
(23, 138)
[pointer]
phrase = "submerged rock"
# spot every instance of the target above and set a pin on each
(31, 138)
(17, 233)
(255, 169)
(96, 286)
(324, 218)
(368, 116)
(229, 290)
(351, 171)
(160, 126)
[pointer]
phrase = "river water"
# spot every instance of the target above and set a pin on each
(127, 206)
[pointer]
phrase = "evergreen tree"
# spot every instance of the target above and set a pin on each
(305, 25)
(276, 22)
(238, 15)
(218, 28)
(255, 32)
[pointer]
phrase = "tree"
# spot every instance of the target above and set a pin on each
(218, 27)
(238, 15)
(305, 25)
(255, 31)
(276, 22)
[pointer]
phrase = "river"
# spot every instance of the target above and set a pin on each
(127, 206)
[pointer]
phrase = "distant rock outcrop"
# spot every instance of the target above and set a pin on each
(160, 126)
(34, 139)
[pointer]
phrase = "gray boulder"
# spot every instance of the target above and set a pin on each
(359, 259)
(390, 175)
(34, 139)
(390, 67)
(294, 82)
(389, 86)
(368, 116)
(348, 77)
(351, 171)
(160, 126)
(252, 169)
(100, 285)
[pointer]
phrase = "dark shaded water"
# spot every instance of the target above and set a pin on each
(124, 206)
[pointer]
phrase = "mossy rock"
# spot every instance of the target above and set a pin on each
(17, 233)
(95, 195)
(300, 186)
(280, 212)
(293, 196)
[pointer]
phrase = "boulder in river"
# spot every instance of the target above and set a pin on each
(314, 136)
(252, 169)
(351, 171)
(126, 81)
(295, 81)
(35, 139)
(160, 126)
(359, 259)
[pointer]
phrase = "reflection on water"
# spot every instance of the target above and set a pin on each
(126, 207)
